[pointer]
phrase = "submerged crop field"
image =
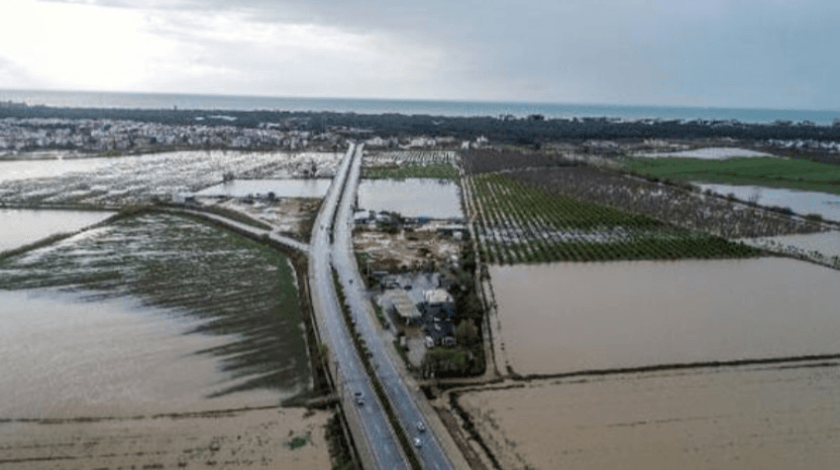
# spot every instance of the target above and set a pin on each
(229, 285)
(520, 223)
(761, 171)
(141, 179)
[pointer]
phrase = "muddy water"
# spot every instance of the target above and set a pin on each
(412, 197)
(281, 188)
(778, 417)
(20, 227)
(64, 357)
(156, 313)
(565, 317)
(801, 202)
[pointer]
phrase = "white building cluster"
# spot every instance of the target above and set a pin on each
(106, 134)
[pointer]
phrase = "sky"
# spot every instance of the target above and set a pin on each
(723, 53)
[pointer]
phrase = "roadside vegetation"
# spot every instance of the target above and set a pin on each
(760, 171)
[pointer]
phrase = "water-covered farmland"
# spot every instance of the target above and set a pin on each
(139, 179)
(153, 311)
(776, 416)
(569, 317)
(801, 202)
(21, 227)
(412, 197)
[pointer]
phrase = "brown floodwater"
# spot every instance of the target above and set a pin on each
(65, 357)
(779, 417)
(566, 317)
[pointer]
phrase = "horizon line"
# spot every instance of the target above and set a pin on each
(417, 100)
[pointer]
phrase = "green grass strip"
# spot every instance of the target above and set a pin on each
(448, 172)
(760, 171)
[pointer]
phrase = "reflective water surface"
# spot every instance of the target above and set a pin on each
(23, 226)
(412, 197)
(801, 202)
(281, 188)
(13, 170)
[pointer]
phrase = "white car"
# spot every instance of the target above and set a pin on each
(418, 443)
(421, 427)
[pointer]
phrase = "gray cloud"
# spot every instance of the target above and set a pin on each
(714, 52)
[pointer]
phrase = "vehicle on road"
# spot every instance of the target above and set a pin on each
(418, 443)
(359, 397)
(421, 427)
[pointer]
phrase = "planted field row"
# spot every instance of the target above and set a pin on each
(411, 164)
(414, 157)
(449, 172)
(520, 223)
(489, 160)
(234, 286)
(686, 209)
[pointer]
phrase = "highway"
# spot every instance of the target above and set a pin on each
(375, 440)
(404, 397)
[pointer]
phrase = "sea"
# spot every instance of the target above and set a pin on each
(88, 99)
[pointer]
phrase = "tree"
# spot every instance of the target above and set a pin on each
(466, 333)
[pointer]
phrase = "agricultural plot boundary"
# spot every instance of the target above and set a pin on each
(517, 222)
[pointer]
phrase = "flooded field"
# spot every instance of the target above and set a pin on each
(308, 188)
(710, 153)
(770, 417)
(412, 197)
(823, 247)
(154, 313)
(66, 357)
(566, 317)
(137, 179)
(21, 227)
(801, 202)
(229, 439)
(14, 170)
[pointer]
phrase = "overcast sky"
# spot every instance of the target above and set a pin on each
(729, 53)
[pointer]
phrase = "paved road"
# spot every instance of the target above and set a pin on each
(404, 398)
(372, 433)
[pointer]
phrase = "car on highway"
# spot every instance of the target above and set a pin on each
(418, 443)
(359, 397)
(421, 427)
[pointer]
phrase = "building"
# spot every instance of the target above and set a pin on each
(397, 304)
(438, 304)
